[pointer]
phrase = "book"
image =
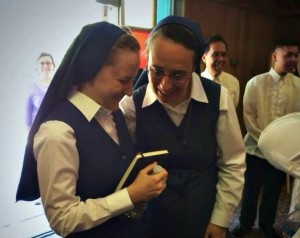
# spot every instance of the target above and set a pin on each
(140, 161)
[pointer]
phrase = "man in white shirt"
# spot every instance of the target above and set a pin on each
(280, 144)
(267, 97)
(215, 58)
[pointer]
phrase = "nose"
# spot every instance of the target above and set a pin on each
(165, 83)
(221, 57)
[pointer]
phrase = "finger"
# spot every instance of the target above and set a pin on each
(149, 168)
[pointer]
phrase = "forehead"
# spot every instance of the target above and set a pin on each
(167, 53)
(288, 49)
(45, 59)
(217, 46)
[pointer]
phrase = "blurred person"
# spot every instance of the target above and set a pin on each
(45, 68)
(280, 144)
(126, 29)
(140, 70)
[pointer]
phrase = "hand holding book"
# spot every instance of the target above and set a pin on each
(144, 180)
(149, 183)
(140, 161)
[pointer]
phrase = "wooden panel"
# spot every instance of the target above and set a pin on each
(248, 31)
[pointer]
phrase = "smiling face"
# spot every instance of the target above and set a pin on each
(45, 67)
(167, 58)
(215, 59)
(114, 80)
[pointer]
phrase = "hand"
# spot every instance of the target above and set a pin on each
(214, 231)
(147, 185)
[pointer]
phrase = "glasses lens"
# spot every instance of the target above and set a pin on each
(219, 54)
(158, 73)
(173, 75)
(178, 76)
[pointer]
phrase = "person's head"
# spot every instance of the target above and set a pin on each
(126, 29)
(173, 49)
(94, 63)
(45, 65)
(285, 56)
(115, 77)
(215, 55)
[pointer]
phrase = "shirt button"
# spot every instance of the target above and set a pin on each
(124, 157)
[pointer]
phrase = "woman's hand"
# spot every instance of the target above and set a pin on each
(147, 185)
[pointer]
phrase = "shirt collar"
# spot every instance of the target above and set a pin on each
(197, 92)
(207, 75)
(274, 75)
(87, 106)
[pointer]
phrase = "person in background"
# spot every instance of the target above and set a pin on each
(280, 144)
(45, 68)
(267, 97)
(140, 70)
(215, 58)
(195, 120)
(126, 29)
(79, 146)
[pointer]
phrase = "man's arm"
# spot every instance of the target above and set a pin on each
(231, 162)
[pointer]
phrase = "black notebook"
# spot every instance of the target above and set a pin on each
(140, 161)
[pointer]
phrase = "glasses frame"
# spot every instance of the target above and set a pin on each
(173, 75)
(217, 54)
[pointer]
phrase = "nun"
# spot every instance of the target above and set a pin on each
(79, 146)
(195, 120)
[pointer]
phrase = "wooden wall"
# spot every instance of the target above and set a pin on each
(249, 27)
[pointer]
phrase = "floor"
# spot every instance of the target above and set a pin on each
(282, 213)
(37, 226)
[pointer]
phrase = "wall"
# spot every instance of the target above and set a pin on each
(28, 28)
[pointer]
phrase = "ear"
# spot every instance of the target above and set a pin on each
(204, 58)
(274, 56)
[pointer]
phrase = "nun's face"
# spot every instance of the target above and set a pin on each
(114, 81)
(170, 67)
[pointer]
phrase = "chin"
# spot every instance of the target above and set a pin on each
(114, 108)
(166, 100)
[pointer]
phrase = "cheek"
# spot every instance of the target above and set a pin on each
(213, 62)
(154, 84)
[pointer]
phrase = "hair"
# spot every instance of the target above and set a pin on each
(44, 54)
(125, 41)
(126, 29)
(279, 43)
(178, 34)
(213, 39)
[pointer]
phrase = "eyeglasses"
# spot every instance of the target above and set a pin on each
(46, 63)
(175, 75)
(218, 54)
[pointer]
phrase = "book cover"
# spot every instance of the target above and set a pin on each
(140, 161)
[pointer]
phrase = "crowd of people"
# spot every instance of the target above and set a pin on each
(90, 123)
